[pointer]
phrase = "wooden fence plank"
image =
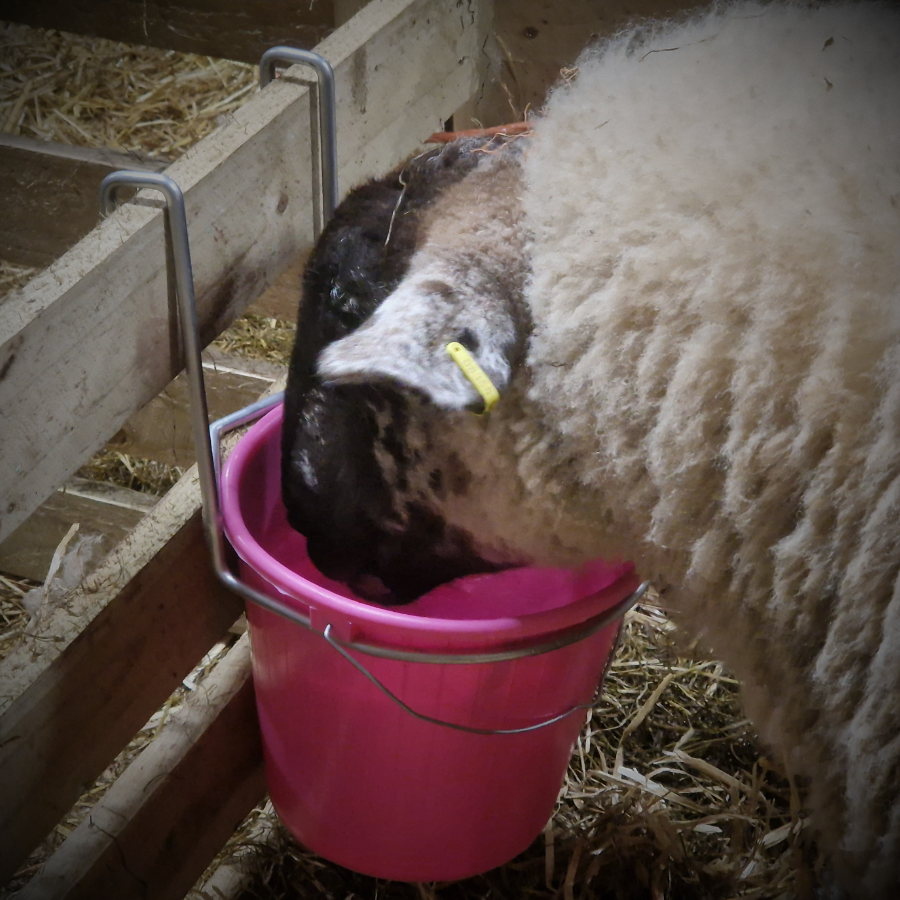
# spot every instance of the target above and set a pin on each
(92, 339)
(51, 191)
(231, 29)
(73, 696)
(229, 878)
(156, 829)
(161, 431)
(99, 509)
(281, 300)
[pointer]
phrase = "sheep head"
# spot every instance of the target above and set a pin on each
(378, 416)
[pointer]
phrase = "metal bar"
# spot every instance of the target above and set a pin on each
(327, 116)
(469, 729)
(187, 314)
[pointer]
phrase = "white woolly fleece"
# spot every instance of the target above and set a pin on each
(715, 220)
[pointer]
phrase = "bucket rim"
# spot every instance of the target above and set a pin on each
(385, 625)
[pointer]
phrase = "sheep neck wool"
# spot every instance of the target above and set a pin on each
(735, 324)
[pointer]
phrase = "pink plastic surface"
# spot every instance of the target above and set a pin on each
(355, 777)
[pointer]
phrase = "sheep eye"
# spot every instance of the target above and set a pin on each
(345, 305)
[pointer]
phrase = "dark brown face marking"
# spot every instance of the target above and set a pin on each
(348, 489)
(460, 477)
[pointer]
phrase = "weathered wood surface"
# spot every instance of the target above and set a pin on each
(281, 300)
(156, 829)
(231, 29)
(101, 663)
(229, 878)
(92, 339)
(161, 431)
(99, 509)
(49, 193)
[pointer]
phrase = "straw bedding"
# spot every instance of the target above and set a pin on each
(13, 277)
(666, 796)
(97, 93)
(13, 615)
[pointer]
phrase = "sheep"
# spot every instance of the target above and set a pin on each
(684, 285)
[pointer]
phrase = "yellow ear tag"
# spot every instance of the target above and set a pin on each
(475, 374)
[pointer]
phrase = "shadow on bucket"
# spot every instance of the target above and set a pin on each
(422, 745)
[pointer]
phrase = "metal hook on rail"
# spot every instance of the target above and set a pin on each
(327, 116)
(190, 344)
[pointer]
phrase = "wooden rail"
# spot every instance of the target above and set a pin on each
(97, 508)
(51, 191)
(161, 431)
(72, 696)
(149, 836)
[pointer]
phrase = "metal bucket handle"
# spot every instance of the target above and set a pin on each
(207, 440)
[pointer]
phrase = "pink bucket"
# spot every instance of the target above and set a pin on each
(379, 783)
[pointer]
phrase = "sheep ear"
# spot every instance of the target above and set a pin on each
(406, 339)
